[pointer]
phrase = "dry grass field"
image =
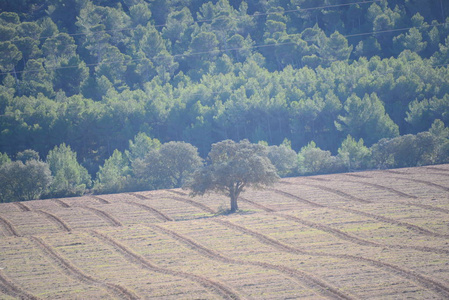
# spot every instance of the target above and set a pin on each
(377, 234)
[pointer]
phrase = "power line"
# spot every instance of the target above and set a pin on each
(224, 50)
(394, 30)
(257, 14)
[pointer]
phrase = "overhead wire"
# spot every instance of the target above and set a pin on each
(256, 14)
(224, 50)
(236, 49)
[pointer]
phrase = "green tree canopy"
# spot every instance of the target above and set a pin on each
(313, 160)
(69, 177)
(354, 155)
(4, 158)
(23, 181)
(231, 167)
(113, 176)
(284, 158)
(168, 166)
(366, 117)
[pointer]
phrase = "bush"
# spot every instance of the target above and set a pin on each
(313, 160)
(283, 158)
(23, 181)
(405, 151)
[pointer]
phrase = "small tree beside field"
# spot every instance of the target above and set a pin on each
(231, 167)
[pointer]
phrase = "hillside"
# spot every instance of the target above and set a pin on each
(377, 234)
(93, 74)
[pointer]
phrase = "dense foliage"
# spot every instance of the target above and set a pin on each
(233, 167)
(354, 78)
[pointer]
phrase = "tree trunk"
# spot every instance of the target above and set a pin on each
(234, 205)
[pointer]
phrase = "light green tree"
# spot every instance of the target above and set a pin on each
(313, 160)
(4, 158)
(354, 155)
(113, 176)
(69, 177)
(441, 133)
(141, 146)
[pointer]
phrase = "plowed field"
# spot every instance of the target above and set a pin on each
(377, 234)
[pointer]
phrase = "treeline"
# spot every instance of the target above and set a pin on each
(91, 75)
(147, 164)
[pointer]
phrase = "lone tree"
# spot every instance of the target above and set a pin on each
(231, 167)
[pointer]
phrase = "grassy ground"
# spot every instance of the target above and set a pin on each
(378, 234)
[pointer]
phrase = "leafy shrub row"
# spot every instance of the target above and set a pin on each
(148, 164)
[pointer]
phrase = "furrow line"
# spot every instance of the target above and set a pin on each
(444, 188)
(141, 197)
(262, 238)
(317, 179)
(74, 272)
(8, 227)
(436, 168)
(342, 235)
(193, 245)
(60, 223)
(178, 192)
(441, 174)
(338, 233)
(255, 204)
(321, 227)
(384, 188)
(155, 212)
(357, 240)
(354, 175)
(99, 199)
(60, 203)
(337, 192)
(21, 206)
(426, 282)
(335, 232)
(437, 287)
(104, 215)
(394, 172)
(216, 287)
(297, 198)
(412, 227)
(9, 288)
(194, 203)
(429, 207)
(409, 226)
(302, 277)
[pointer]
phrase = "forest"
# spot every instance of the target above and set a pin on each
(103, 94)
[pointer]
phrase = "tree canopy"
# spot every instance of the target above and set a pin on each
(93, 75)
(231, 167)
